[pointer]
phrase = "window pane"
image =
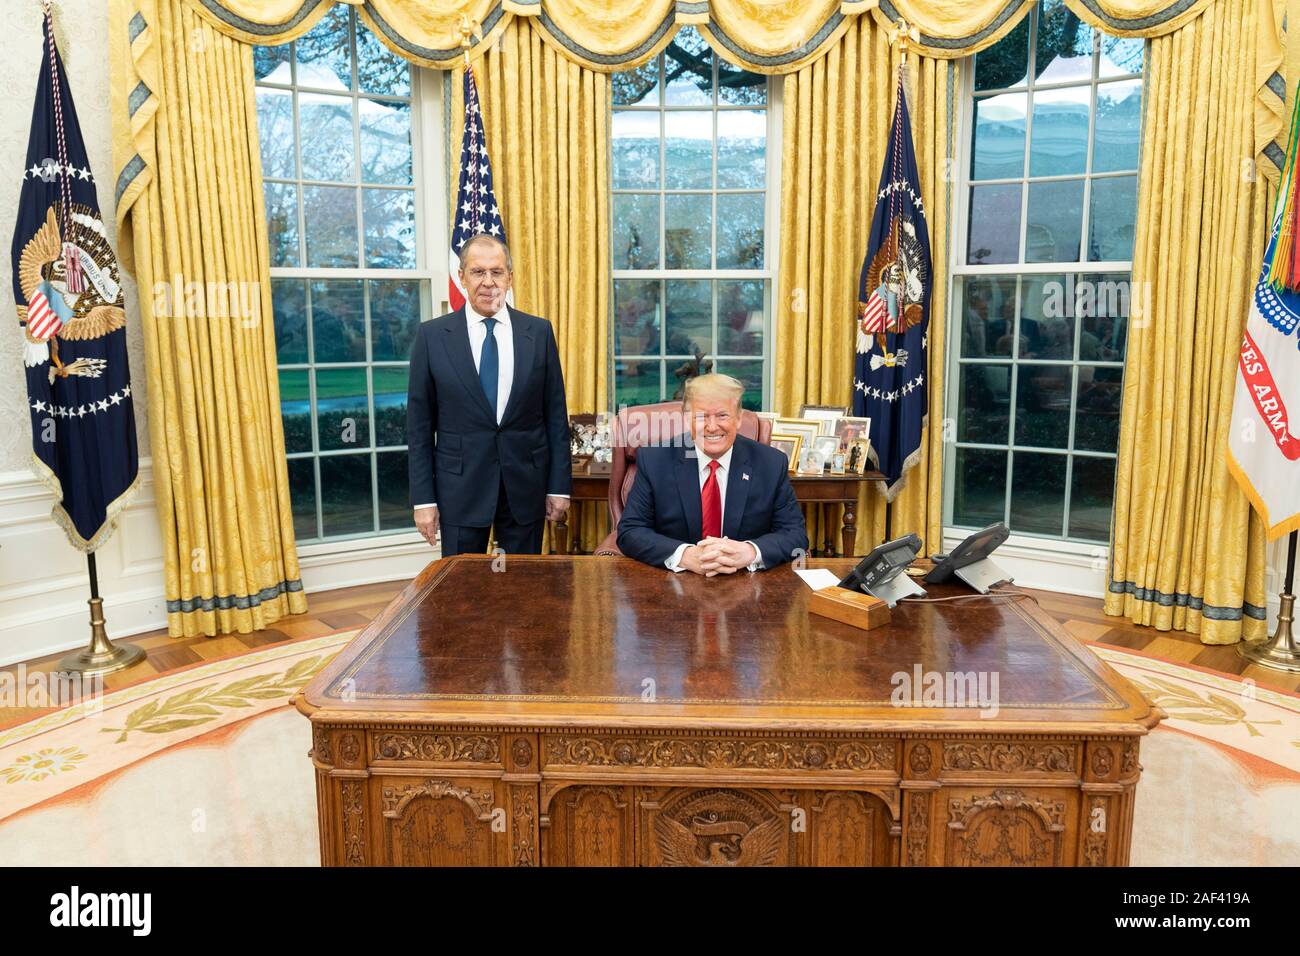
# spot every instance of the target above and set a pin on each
(1059, 143)
(636, 382)
(740, 231)
(390, 404)
(394, 491)
(688, 67)
(1092, 488)
(637, 86)
(635, 148)
(984, 404)
(636, 317)
(1120, 56)
(979, 490)
(689, 317)
(379, 69)
(998, 149)
(1064, 48)
(325, 53)
(275, 132)
(394, 318)
(271, 64)
(390, 228)
(994, 224)
(988, 317)
(295, 410)
(742, 143)
(1054, 221)
(326, 123)
(688, 226)
(1102, 304)
(636, 230)
(1005, 63)
(330, 218)
(688, 149)
(750, 374)
(1096, 423)
(1038, 493)
(1111, 218)
(338, 321)
(1119, 126)
(740, 317)
(342, 415)
(282, 223)
(289, 308)
(385, 143)
(1043, 406)
(302, 493)
(740, 86)
(346, 499)
(1047, 317)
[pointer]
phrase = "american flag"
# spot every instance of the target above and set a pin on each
(874, 314)
(476, 201)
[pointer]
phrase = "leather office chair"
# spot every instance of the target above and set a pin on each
(647, 425)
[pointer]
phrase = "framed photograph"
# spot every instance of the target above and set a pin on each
(811, 462)
(827, 445)
(837, 463)
(827, 414)
(807, 427)
(789, 445)
(858, 462)
(848, 430)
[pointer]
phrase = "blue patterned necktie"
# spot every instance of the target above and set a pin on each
(487, 366)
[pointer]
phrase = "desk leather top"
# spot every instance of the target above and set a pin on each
(588, 641)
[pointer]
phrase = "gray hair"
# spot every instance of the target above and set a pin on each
(479, 238)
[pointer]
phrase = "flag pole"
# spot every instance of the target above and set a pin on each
(101, 656)
(1280, 651)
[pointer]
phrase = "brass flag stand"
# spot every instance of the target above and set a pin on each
(1280, 651)
(101, 656)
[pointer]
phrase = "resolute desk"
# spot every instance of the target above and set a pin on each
(594, 711)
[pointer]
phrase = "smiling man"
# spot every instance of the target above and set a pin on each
(724, 505)
(486, 420)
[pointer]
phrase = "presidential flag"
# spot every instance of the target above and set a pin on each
(68, 290)
(893, 315)
(1264, 441)
(476, 202)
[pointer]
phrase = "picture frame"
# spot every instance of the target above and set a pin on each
(837, 463)
(827, 445)
(826, 414)
(849, 430)
(789, 445)
(858, 461)
(807, 427)
(811, 462)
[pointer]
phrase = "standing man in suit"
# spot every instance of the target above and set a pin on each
(486, 384)
(724, 505)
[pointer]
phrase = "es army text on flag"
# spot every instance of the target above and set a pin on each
(889, 383)
(476, 202)
(68, 291)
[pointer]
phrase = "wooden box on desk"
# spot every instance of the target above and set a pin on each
(849, 607)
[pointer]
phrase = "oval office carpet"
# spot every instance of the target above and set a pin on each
(208, 767)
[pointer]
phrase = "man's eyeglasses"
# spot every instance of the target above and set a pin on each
(480, 274)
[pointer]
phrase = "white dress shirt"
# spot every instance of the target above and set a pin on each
(674, 562)
(505, 339)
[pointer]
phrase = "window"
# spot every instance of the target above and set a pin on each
(349, 284)
(1041, 290)
(690, 232)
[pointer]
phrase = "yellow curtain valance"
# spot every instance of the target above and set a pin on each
(767, 36)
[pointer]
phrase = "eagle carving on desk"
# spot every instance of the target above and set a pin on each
(713, 840)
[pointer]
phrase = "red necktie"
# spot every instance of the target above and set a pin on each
(711, 503)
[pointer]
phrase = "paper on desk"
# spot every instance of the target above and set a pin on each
(819, 578)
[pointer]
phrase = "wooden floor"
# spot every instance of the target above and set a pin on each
(346, 608)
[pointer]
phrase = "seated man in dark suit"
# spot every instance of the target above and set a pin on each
(715, 508)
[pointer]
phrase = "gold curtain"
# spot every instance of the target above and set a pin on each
(192, 224)
(1187, 552)
(836, 116)
(547, 127)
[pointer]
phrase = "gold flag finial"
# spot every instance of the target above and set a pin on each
(468, 28)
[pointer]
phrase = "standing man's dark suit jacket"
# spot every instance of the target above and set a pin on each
(529, 449)
(663, 508)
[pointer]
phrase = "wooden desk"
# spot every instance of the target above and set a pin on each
(808, 489)
(595, 710)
